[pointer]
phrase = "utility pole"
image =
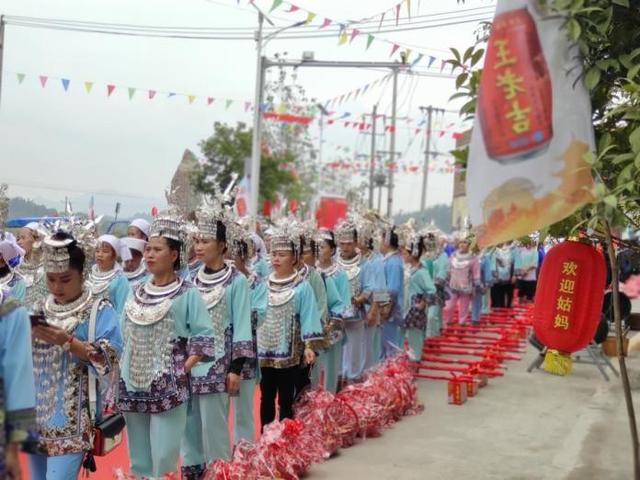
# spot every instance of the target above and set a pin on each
(254, 167)
(372, 167)
(392, 146)
(431, 110)
(2, 28)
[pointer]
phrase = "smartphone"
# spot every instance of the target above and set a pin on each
(38, 319)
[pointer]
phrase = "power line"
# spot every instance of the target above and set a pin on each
(215, 34)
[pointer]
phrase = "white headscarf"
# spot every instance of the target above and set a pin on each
(9, 247)
(120, 248)
(143, 225)
(134, 243)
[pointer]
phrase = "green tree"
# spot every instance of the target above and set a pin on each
(225, 152)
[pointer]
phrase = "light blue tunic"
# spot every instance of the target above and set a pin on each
(261, 268)
(292, 321)
(17, 287)
(17, 391)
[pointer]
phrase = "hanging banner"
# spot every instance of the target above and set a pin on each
(532, 129)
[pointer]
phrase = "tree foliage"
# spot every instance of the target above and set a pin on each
(607, 35)
(225, 152)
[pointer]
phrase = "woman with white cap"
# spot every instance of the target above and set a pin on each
(166, 330)
(226, 293)
(106, 278)
(10, 253)
(30, 239)
(135, 269)
(139, 228)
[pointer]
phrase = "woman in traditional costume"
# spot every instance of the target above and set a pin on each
(226, 294)
(503, 276)
(243, 404)
(291, 332)
(17, 391)
(30, 268)
(394, 277)
(436, 261)
(139, 228)
(167, 331)
(421, 293)
(135, 269)
(78, 342)
(106, 278)
(10, 253)
(464, 268)
(338, 304)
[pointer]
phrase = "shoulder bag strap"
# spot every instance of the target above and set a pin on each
(93, 381)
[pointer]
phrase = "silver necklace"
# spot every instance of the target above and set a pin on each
(99, 280)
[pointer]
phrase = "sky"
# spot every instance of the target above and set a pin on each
(55, 143)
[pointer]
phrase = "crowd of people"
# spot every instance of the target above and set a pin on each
(170, 325)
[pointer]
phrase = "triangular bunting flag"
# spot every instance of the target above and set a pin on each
(346, 124)
(152, 93)
(310, 17)
(431, 60)
(293, 8)
(65, 83)
(263, 107)
(191, 98)
(354, 34)
(20, 77)
(326, 23)
(110, 89)
(409, 8)
(369, 41)
(132, 92)
(381, 20)
(227, 104)
(417, 59)
(247, 106)
(397, 13)
(43, 80)
(357, 93)
(407, 54)
(343, 37)
(348, 96)
(394, 49)
(210, 100)
(171, 94)
(444, 62)
(365, 88)
(276, 4)
(88, 86)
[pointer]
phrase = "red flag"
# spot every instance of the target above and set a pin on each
(394, 49)
(210, 100)
(354, 34)
(326, 23)
(152, 93)
(293, 8)
(397, 13)
(43, 80)
(110, 89)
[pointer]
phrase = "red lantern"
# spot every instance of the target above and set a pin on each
(154, 211)
(568, 301)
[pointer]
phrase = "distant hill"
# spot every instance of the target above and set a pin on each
(440, 214)
(20, 207)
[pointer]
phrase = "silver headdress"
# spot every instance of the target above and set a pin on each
(406, 234)
(172, 224)
(287, 236)
(431, 236)
(346, 232)
(55, 252)
(325, 234)
(308, 233)
(369, 225)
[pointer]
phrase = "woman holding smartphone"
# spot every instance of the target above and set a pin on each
(63, 356)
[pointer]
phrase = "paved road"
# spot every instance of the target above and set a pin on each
(521, 427)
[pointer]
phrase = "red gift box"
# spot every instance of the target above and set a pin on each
(457, 392)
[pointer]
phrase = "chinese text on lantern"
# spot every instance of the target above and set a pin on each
(566, 289)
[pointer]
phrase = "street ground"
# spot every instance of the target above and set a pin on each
(520, 427)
